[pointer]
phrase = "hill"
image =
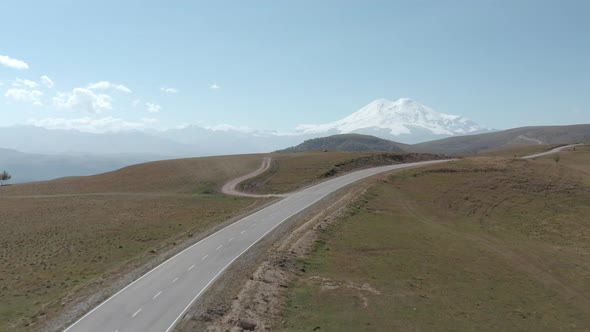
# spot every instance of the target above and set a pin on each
(348, 143)
(495, 243)
(65, 233)
(402, 120)
(472, 144)
(27, 167)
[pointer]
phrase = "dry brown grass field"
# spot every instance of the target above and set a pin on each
(59, 237)
(292, 171)
(484, 243)
(517, 150)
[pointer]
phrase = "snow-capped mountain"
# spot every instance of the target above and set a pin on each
(403, 120)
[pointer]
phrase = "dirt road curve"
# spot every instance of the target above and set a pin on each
(230, 187)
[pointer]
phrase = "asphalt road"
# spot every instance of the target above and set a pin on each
(158, 299)
(561, 148)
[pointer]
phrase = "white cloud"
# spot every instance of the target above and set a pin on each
(104, 85)
(19, 82)
(153, 108)
(169, 90)
(48, 82)
(135, 102)
(214, 86)
(88, 124)
(150, 120)
(228, 127)
(81, 99)
(13, 63)
(26, 96)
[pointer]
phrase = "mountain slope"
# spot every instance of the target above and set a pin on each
(517, 136)
(404, 119)
(26, 167)
(31, 139)
(349, 143)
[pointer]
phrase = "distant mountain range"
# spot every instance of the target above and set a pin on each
(42, 151)
(403, 120)
(28, 167)
(461, 145)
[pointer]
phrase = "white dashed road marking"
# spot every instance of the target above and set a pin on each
(221, 246)
(160, 292)
(173, 281)
(190, 268)
(204, 257)
(135, 314)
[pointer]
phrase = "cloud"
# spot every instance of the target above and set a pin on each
(228, 127)
(88, 124)
(150, 120)
(19, 82)
(13, 63)
(214, 86)
(169, 90)
(81, 99)
(135, 102)
(104, 85)
(153, 108)
(47, 81)
(26, 96)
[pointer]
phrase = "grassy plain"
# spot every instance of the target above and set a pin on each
(57, 238)
(60, 238)
(292, 171)
(517, 150)
(480, 244)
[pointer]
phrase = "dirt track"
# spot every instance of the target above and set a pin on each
(230, 187)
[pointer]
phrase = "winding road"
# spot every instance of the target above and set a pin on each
(158, 299)
(557, 149)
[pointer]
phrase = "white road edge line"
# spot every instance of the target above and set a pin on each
(147, 273)
(220, 272)
(160, 292)
(190, 268)
(190, 247)
(263, 235)
(135, 314)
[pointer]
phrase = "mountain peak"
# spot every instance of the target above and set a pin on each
(401, 117)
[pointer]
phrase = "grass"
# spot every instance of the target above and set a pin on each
(58, 238)
(517, 150)
(480, 244)
(292, 171)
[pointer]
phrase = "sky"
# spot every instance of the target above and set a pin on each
(272, 65)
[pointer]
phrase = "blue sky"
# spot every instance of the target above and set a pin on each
(276, 64)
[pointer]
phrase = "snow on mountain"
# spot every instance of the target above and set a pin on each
(402, 117)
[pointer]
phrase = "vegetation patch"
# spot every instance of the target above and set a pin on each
(505, 247)
(61, 240)
(381, 159)
(293, 171)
